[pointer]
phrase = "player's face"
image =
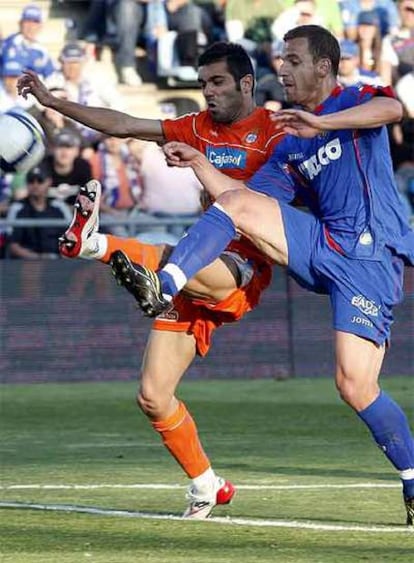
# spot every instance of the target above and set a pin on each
(299, 73)
(225, 102)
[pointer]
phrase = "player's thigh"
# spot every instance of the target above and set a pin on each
(215, 282)
(358, 365)
(259, 218)
(167, 356)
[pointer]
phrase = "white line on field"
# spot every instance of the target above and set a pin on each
(162, 486)
(214, 519)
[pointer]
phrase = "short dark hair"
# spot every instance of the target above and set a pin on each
(238, 61)
(322, 44)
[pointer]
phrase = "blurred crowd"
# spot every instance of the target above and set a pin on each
(159, 41)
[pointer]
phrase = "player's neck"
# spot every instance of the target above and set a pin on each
(320, 94)
(244, 113)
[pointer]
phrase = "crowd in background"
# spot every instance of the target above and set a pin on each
(377, 47)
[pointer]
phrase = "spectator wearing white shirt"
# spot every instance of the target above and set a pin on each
(303, 12)
(75, 80)
(397, 55)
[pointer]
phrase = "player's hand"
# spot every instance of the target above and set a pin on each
(30, 83)
(180, 154)
(298, 122)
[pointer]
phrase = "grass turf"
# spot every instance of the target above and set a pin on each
(285, 433)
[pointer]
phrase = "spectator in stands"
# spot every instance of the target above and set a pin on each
(369, 40)
(178, 46)
(23, 46)
(51, 121)
(241, 15)
(129, 21)
(349, 71)
(303, 12)
(9, 98)
(402, 137)
(385, 12)
(36, 242)
(397, 56)
(80, 88)
(269, 89)
(212, 23)
(116, 167)
(165, 194)
(99, 27)
(185, 18)
(68, 170)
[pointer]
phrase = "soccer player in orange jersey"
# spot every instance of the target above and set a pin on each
(237, 138)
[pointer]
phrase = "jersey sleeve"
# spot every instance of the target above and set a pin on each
(361, 93)
(179, 129)
(274, 179)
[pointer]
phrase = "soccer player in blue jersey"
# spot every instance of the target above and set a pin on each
(352, 246)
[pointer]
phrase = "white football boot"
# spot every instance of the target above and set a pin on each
(201, 506)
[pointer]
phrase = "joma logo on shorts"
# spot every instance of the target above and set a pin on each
(362, 321)
(365, 305)
(327, 153)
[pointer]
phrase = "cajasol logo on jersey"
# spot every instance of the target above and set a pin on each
(226, 157)
(325, 155)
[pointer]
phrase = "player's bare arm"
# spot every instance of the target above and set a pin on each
(374, 113)
(182, 155)
(107, 121)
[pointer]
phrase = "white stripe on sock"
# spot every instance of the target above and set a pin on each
(95, 247)
(407, 474)
(177, 275)
(205, 483)
(220, 208)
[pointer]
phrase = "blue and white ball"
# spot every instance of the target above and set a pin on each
(22, 143)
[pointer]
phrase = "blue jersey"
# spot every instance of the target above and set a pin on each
(29, 55)
(346, 179)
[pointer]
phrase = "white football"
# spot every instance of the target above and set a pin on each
(22, 143)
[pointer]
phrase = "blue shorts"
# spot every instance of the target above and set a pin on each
(362, 292)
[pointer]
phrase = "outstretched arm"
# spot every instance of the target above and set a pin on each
(108, 121)
(184, 156)
(376, 112)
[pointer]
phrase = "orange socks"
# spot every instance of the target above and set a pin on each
(179, 435)
(148, 255)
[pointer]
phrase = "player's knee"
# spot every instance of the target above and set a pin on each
(234, 203)
(152, 403)
(356, 392)
(346, 390)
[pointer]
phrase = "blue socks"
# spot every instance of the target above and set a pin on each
(389, 428)
(201, 245)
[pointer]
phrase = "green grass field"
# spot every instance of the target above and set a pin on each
(86, 445)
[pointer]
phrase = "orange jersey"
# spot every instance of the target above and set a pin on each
(237, 150)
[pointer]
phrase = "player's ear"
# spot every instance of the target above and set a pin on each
(324, 67)
(246, 84)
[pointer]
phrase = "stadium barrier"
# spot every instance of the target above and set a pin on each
(64, 320)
